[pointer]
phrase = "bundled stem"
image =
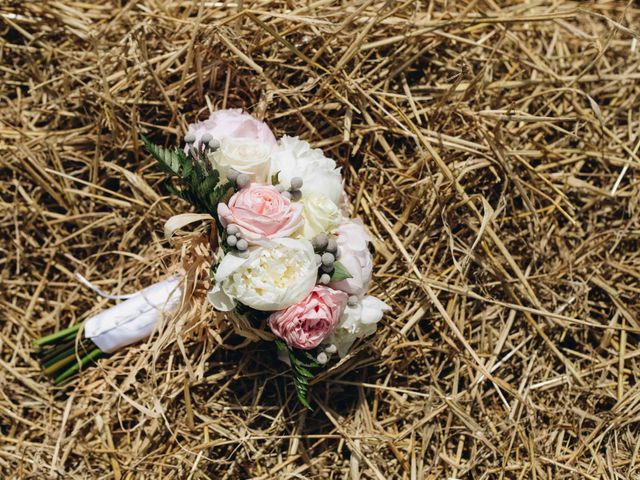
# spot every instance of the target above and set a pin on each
(56, 336)
(62, 354)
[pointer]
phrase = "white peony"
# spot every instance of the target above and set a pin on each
(275, 275)
(295, 158)
(357, 321)
(243, 155)
(320, 214)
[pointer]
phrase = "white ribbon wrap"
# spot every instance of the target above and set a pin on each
(135, 318)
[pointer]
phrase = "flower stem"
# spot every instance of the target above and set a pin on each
(65, 358)
(61, 355)
(48, 354)
(59, 335)
(92, 355)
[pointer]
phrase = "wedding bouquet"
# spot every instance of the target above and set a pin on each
(286, 257)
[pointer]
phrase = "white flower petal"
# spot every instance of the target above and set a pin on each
(373, 309)
(243, 155)
(320, 214)
(220, 300)
(229, 264)
(277, 274)
(295, 158)
(357, 321)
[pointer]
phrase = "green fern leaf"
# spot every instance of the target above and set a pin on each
(198, 185)
(172, 161)
(301, 371)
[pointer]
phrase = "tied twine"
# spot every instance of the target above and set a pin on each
(197, 258)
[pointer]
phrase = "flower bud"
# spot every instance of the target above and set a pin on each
(328, 259)
(242, 245)
(232, 174)
(319, 242)
(243, 180)
(296, 183)
(331, 348)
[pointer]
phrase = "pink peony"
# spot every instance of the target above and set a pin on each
(310, 321)
(233, 123)
(261, 212)
(353, 243)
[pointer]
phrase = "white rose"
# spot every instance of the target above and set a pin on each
(274, 276)
(320, 214)
(244, 155)
(295, 158)
(357, 321)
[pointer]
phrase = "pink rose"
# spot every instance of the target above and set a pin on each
(309, 322)
(353, 243)
(261, 212)
(233, 123)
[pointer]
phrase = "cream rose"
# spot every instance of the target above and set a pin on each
(295, 158)
(243, 155)
(320, 214)
(357, 321)
(275, 275)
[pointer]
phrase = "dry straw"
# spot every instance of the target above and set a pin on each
(491, 146)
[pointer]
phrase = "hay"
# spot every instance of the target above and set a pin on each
(492, 147)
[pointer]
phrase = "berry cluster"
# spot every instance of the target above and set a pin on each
(240, 179)
(325, 353)
(294, 193)
(234, 238)
(206, 142)
(327, 253)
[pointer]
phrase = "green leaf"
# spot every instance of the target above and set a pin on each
(172, 161)
(300, 369)
(208, 183)
(221, 190)
(187, 169)
(198, 184)
(340, 272)
(311, 361)
(274, 178)
(304, 372)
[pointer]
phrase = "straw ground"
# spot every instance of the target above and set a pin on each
(492, 148)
